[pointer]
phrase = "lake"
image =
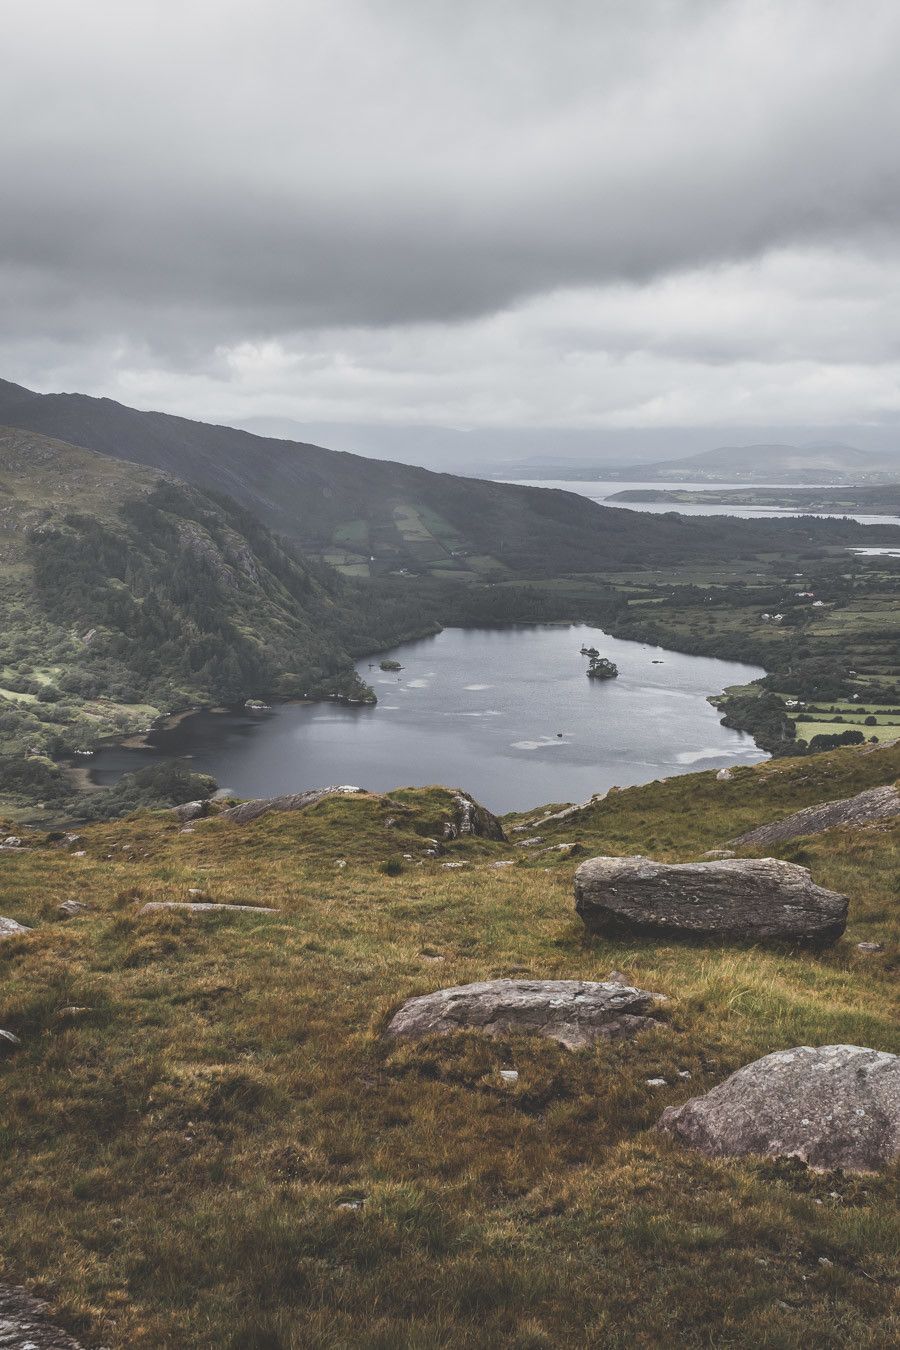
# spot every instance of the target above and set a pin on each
(599, 491)
(506, 713)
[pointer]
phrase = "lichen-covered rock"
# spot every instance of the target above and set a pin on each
(9, 928)
(831, 1106)
(295, 801)
(745, 898)
(470, 818)
(25, 1325)
(189, 811)
(574, 1012)
(881, 803)
(73, 909)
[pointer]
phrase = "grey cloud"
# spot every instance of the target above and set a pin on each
(192, 175)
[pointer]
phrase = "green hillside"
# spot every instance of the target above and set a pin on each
(372, 517)
(124, 593)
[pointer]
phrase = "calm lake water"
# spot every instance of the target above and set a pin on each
(600, 491)
(480, 709)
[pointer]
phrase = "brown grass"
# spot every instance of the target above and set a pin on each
(222, 1152)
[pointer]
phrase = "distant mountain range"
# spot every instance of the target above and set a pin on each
(372, 517)
(817, 464)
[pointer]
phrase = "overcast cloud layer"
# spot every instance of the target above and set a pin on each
(479, 213)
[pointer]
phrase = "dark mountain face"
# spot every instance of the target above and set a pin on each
(371, 517)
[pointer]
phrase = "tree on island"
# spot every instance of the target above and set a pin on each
(600, 667)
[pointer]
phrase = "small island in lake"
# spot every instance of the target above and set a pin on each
(390, 665)
(600, 667)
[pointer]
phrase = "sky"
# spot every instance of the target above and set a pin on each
(610, 216)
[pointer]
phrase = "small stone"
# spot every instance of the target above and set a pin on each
(342, 862)
(504, 862)
(8, 1041)
(718, 853)
(71, 909)
(194, 891)
(870, 946)
(684, 1073)
(510, 1076)
(10, 928)
(617, 977)
(655, 1082)
(73, 1013)
(12, 841)
(529, 843)
(80, 853)
(724, 775)
(453, 866)
(824, 1261)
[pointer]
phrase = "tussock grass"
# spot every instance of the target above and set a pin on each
(223, 1152)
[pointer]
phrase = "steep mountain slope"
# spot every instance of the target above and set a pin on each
(124, 592)
(369, 517)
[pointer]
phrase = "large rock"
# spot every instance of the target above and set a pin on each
(831, 1106)
(295, 801)
(470, 818)
(9, 928)
(574, 1012)
(24, 1324)
(190, 811)
(881, 803)
(734, 897)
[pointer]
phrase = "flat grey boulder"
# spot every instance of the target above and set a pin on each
(73, 909)
(831, 1106)
(574, 1012)
(9, 928)
(745, 898)
(25, 1325)
(295, 801)
(202, 907)
(881, 803)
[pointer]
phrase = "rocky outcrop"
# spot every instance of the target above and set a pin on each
(574, 1012)
(25, 1325)
(202, 907)
(470, 819)
(745, 898)
(9, 928)
(881, 803)
(296, 801)
(189, 811)
(8, 1042)
(831, 1106)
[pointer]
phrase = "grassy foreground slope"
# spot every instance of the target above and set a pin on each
(218, 1150)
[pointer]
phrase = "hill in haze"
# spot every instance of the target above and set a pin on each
(372, 517)
(820, 463)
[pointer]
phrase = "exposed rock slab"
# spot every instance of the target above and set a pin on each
(9, 928)
(831, 1106)
(735, 897)
(574, 1012)
(881, 803)
(24, 1322)
(295, 801)
(203, 907)
(73, 909)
